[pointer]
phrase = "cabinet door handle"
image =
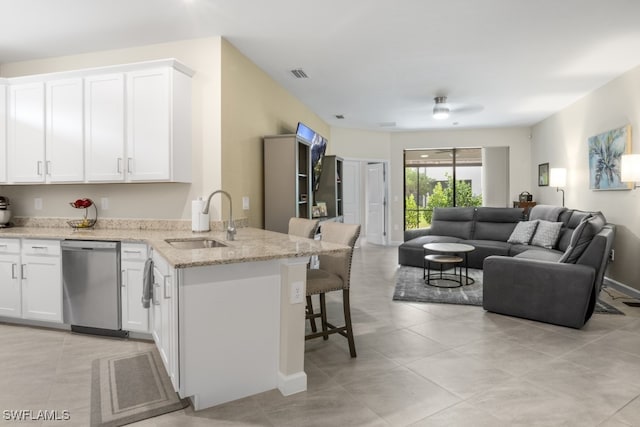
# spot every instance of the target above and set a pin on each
(166, 294)
(13, 271)
(129, 163)
(126, 251)
(119, 165)
(124, 278)
(153, 295)
(39, 167)
(47, 167)
(23, 275)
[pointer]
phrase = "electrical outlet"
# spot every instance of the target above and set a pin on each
(612, 255)
(245, 203)
(104, 203)
(296, 296)
(37, 204)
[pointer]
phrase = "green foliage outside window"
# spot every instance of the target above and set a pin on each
(443, 197)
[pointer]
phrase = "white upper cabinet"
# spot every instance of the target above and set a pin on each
(104, 127)
(65, 134)
(26, 133)
(3, 132)
(123, 123)
(148, 125)
(158, 125)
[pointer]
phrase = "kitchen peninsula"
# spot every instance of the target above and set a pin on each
(230, 319)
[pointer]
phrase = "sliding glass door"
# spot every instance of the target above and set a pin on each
(440, 178)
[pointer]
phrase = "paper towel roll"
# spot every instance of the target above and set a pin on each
(199, 221)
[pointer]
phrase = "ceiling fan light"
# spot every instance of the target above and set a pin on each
(440, 110)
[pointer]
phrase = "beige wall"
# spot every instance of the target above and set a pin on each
(561, 141)
(139, 200)
(390, 146)
(254, 105)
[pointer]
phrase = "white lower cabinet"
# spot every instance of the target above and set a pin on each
(31, 279)
(134, 316)
(10, 289)
(165, 316)
(41, 273)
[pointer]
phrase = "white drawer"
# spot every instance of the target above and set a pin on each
(41, 247)
(133, 251)
(10, 246)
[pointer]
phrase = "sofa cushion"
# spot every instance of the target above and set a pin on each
(496, 223)
(546, 212)
(546, 234)
(454, 222)
(588, 227)
(523, 232)
(483, 249)
(412, 253)
(540, 255)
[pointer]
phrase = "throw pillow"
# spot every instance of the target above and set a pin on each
(523, 232)
(546, 234)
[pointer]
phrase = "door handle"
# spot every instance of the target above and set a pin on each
(119, 165)
(129, 163)
(124, 278)
(13, 271)
(47, 167)
(22, 273)
(39, 167)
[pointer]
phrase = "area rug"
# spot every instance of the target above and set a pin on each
(130, 388)
(410, 287)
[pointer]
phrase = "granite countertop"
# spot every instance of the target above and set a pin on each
(250, 244)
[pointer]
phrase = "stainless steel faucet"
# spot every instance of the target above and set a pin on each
(231, 226)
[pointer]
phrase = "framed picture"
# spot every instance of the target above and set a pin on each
(543, 174)
(319, 210)
(605, 152)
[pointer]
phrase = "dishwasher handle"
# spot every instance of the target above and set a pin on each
(89, 245)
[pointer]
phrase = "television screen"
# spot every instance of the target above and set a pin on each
(318, 147)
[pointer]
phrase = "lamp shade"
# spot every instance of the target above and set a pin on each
(630, 168)
(557, 177)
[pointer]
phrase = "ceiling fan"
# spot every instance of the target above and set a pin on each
(442, 109)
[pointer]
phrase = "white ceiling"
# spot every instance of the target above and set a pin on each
(507, 62)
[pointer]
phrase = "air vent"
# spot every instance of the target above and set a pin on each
(299, 73)
(339, 116)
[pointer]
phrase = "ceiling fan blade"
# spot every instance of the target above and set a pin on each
(466, 109)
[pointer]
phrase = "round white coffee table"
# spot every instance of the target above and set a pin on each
(447, 253)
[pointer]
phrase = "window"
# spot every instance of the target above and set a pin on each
(440, 178)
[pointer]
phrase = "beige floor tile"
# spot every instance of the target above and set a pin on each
(400, 396)
(461, 415)
(459, 374)
(403, 346)
(524, 404)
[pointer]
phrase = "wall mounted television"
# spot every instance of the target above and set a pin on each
(318, 147)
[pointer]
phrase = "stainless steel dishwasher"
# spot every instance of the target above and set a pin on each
(91, 283)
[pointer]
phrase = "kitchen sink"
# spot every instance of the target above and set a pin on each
(195, 243)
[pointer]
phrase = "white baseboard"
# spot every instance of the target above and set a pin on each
(291, 384)
(621, 287)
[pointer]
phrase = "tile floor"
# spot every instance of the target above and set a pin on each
(418, 364)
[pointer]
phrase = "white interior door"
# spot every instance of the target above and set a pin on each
(376, 203)
(351, 191)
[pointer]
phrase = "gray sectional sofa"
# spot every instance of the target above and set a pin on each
(555, 283)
